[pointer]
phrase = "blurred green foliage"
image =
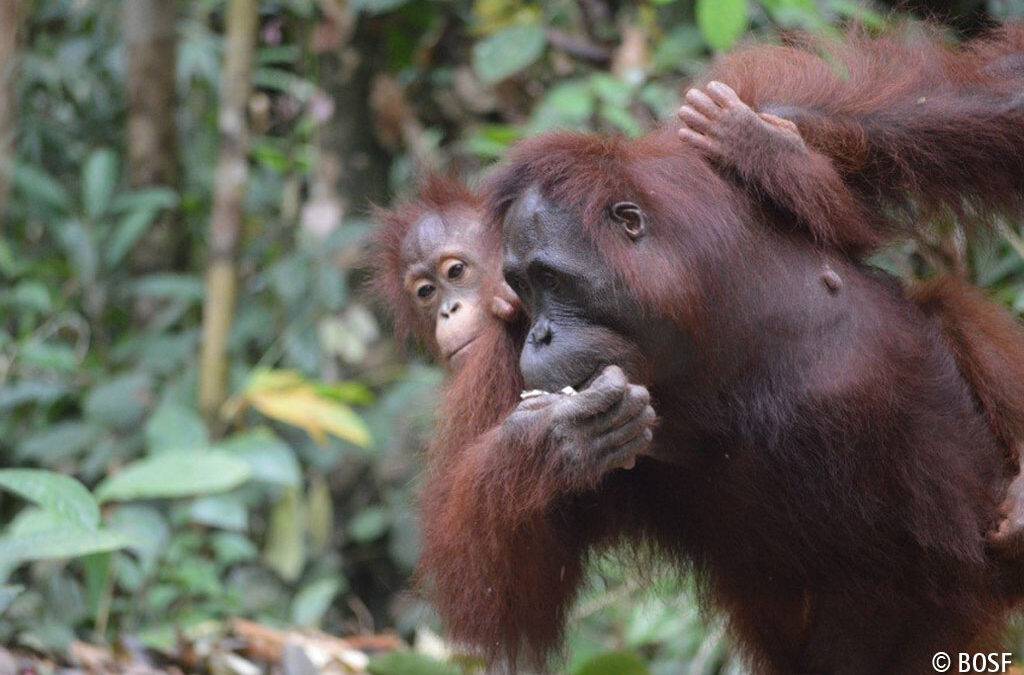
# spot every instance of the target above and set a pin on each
(122, 513)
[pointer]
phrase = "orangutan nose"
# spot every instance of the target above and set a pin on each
(449, 308)
(541, 334)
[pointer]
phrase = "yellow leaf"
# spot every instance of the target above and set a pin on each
(287, 397)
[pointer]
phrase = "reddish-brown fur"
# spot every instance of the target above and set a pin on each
(910, 123)
(500, 495)
(436, 195)
(864, 550)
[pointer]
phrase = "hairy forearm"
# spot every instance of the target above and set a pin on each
(503, 566)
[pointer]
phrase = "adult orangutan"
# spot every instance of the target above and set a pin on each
(821, 462)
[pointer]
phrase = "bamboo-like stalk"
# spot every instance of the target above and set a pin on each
(229, 193)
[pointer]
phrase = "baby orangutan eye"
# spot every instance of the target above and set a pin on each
(453, 268)
(425, 290)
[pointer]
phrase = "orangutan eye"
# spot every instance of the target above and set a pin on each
(425, 290)
(456, 270)
(453, 269)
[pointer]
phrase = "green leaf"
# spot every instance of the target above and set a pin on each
(408, 663)
(270, 459)
(146, 199)
(507, 52)
(174, 427)
(319, 513)
(127, 232)
(377, 6)
(622, 120)
(97, 569)
(31, 391)
(7, 596)
(859, 13)
(492, 140)
(58, 441)
(38, 187)
(63, 542)
(146, 529)
(57, 358)
(721, 21)
(33, 519)
(119, 403)
(285, 551)
(171, 286)
(54, 492)
(175, 474)
(679, 49)
(80, 248)
(99, 176)
(226, 512)
(350, 392)
(230, 548)
(567, 105)
(313, 601)
(369, 524)
(614, 663)
(792, 14)
(32, 295)
(612, 90)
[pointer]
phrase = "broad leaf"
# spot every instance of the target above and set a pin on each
(54, 492)
(64, 542)
(408, 663)
(128, 231)
(182, 287)
(120, 403)
(175, 474)
(614, 663)
(145, 199)
(369, 524)
(58, 441)
(285, 551)
(99, 176)
(226, 512)
(7, 596)
(721, 21)
(285, 396)
(270, 459)
(377, 6)
(147, 530)
(175, 427)
(507, 52)
(39, 187)
(313, 601)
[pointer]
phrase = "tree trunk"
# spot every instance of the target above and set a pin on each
(151, 54)
(357, 164)
(229, 194)
(10, 19)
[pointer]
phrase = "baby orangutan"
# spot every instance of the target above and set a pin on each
(434, 273)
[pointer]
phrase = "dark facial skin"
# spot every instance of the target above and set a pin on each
(444, 277)
(581, 318)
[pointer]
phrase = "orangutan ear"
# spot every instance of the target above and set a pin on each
(632, 219)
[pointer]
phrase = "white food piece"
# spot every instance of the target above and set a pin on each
(534, 393)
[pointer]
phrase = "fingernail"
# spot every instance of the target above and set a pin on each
(648, 434)
(630, 463)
